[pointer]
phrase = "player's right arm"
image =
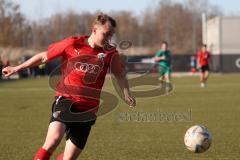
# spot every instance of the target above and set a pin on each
(34, 61)
(54, 50)
(159, 56)
(198, 60)
(157, 59)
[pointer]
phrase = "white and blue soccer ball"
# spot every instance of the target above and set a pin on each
(197, 139)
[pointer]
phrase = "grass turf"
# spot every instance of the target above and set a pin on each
(25, 107)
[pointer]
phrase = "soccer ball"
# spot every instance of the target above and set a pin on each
(197, 139)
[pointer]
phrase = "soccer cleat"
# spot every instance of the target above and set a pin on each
(203, 85)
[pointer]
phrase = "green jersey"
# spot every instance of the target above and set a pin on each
(167, 61)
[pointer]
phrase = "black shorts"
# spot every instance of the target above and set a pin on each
(204, 68)
(77, 132)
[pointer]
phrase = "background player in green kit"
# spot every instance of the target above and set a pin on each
(163, 58)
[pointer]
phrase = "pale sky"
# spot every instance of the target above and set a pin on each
(37, 9)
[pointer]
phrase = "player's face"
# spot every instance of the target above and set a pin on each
(164, 47)
(204, 49)
(102, 34)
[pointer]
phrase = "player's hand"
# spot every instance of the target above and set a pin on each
(198, 67)
(8, 71)
(131, 101)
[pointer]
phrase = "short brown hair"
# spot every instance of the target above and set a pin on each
(102, 19)
(165, 42)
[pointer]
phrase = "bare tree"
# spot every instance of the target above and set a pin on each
(178, 23)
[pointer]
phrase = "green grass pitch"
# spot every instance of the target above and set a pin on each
(25, 107)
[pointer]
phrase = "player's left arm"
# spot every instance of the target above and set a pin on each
(118, 70)
(198, 60)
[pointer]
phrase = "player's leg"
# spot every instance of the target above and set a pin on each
(161, 72)
(202, 80)
(55, 133)
(167, 77)
(71, 151)
(161, 78)
(77, 136)
(206, 75)
(162, 81)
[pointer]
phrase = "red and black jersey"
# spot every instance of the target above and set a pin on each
(203, 58)
(83, 69)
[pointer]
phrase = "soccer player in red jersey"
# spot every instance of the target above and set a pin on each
(203, 64)
(85, 62)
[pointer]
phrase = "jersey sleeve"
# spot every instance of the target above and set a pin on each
(57, 49)
(159, 53)
(199, 55)
(209, 55)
